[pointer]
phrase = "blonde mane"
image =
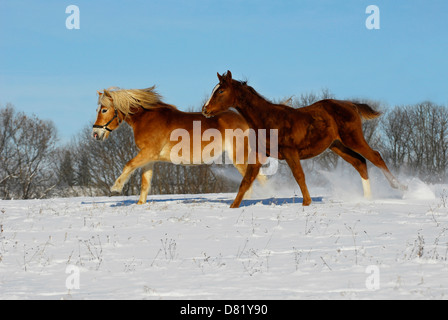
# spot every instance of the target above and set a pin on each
(125, 100)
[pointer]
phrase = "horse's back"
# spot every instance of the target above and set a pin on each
(339, 110)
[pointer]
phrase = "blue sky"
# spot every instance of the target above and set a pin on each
(283, 48)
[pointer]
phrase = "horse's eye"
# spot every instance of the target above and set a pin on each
(104, 110)
(221, 91)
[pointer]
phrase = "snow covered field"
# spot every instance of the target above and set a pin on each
(194, 247)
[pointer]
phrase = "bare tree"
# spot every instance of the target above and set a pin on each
(27, 144)
(66, 173)
(416, 140)
(98, 164)
(429, 140)
(396, 127)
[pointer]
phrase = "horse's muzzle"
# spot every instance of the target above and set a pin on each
(206, 113)
(99, 134)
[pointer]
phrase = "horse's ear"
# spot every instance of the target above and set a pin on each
(219, 77)
(106, 93)
(99, 93)
(229, 75)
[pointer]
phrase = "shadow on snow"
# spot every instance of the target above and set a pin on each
(245, 203)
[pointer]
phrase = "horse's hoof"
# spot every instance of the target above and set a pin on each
(306, 203)
(234, 206)
(114, 194)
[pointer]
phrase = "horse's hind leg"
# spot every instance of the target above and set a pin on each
(357, 161)
(356, 142)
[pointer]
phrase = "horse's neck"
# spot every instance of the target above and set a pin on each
(130, 119)
(134, 118)
(148, 117)
(255, 110)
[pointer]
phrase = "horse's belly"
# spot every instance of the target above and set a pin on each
(191, 154)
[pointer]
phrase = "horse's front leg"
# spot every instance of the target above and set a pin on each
(139, 161)
(146, 182)
(249, 177)
(293, 160)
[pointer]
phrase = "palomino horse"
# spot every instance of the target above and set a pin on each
(302, 133)
(153, 122)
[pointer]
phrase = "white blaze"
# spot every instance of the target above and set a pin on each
(213, 92)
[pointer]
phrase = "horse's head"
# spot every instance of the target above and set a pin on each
(108, 118)
(223, 96)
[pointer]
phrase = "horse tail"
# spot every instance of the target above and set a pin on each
(366, 112)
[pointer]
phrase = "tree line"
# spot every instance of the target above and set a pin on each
(413, 139)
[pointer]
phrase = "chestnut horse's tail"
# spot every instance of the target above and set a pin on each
(366, 111)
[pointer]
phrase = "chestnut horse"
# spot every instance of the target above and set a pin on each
(152, 122)
(302, 133)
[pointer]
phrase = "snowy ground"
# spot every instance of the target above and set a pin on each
(195, 247)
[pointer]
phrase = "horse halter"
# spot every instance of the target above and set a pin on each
(110, 121)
